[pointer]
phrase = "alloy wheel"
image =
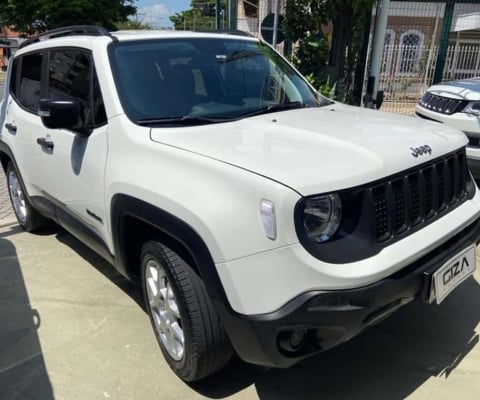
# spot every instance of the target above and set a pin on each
(164, 309)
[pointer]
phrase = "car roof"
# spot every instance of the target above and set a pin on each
(90, 33)
(154, 34)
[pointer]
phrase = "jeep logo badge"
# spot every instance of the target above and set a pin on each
(420, 151)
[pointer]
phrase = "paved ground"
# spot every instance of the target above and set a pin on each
(71, 328)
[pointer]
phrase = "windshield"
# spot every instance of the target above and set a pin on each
(186, 81)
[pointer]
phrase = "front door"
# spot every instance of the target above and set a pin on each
(73, 162)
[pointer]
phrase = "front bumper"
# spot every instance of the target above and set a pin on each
(316, 321)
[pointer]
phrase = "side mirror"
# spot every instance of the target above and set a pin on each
(62, 114)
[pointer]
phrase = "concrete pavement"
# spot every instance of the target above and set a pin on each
(72, 328)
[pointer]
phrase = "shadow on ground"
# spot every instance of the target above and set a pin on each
(22, 368)
(390, 361)
(99, 264)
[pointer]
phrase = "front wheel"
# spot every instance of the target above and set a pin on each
(186, 325)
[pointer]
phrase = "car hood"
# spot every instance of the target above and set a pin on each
(315, 150)
(466, 89)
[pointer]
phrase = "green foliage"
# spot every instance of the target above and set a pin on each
(311, 57)
(33, 16)
(329, 36)
(200, 16)
(132, 24)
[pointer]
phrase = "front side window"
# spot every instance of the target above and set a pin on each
(71, 76)
(212, 79)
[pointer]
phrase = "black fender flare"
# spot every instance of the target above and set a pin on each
(5, 148)
(237, 326)
(124, 206)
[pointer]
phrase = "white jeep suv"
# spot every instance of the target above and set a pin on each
(457, 104)
(258, 216)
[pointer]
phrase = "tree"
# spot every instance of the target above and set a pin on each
(33, 16)
(200, 16)
(328, 55)
(132, 24)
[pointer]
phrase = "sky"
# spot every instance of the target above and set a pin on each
(156, 12)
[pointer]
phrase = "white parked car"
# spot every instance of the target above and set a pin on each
(258, 216)
(457, 104)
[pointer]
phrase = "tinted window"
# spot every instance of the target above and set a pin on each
(71, 76)
(211, 78)
(28, 81)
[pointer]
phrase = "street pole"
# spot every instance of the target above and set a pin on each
(377, 54)
(217, 15)
(275, 24)
(232, 15)
(442, 51)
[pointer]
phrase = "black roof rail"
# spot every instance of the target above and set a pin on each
(235, 32)
(88, 30)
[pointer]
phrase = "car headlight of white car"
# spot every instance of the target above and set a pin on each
(473, 108)
(322, 216)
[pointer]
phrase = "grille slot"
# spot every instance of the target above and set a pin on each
(409, 200)
(443, 105)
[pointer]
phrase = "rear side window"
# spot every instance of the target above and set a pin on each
(25, 81)
(71, 75)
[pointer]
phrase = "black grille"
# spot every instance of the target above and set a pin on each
(419, 196)
(443, 105)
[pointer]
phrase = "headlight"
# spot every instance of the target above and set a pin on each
(473, 108)
(322, 216)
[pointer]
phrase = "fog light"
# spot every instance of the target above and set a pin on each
(297, 338)
(293, 341)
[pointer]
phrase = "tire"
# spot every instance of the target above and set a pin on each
(28, 218)
(187, 327)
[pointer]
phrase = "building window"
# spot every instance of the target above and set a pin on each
(411, 43)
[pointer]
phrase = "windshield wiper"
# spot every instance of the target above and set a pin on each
(239, 55)
(274, 108)
(181, 120)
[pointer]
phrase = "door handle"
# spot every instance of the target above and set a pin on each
(11, 128)
(45, 143)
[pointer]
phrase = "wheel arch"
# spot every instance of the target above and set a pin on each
(6, 156)
(134, 221)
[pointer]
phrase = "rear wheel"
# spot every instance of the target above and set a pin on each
(186, 325)
(28, 218)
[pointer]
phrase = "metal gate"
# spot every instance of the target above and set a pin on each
(427, 41)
